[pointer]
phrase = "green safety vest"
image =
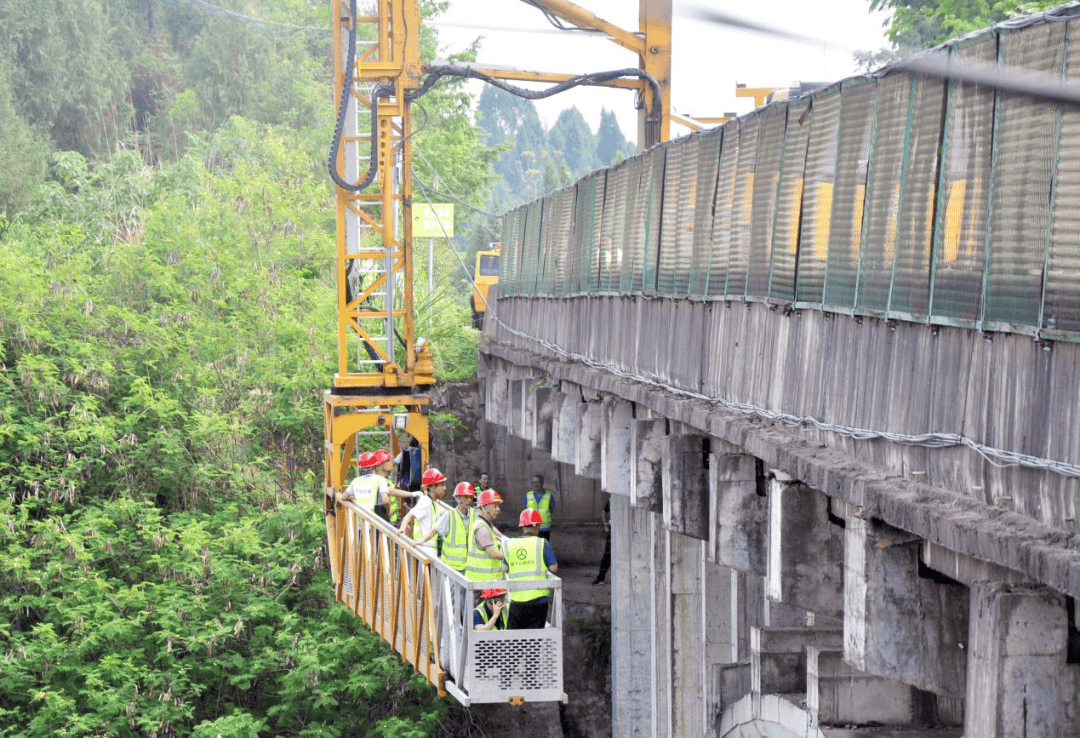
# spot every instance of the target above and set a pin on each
(417, 534)
(544, 507)
(479, 567)
(525, 557)
(365, 491)
(455, 547)
(504, 616)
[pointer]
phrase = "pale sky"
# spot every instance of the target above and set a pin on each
(707, 60)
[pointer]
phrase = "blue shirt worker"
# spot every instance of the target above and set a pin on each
(529, 557)
(543, 501)
(491, 613)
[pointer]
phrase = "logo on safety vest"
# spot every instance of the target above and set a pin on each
(521, 554)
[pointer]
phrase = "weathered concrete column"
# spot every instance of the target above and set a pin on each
(590, 433)
(897, 624)
(496, 401)
(615, 451)
(544, 410)
(738, 534)
(1016, 662)
(648, 444)
(688, 618)
(686, 484)
(805, 550)
(639, 703)
(566, 418)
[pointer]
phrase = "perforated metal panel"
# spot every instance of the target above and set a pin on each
(558, 221)
(1023, 164)
(789, 202)
(1061, 311)
(652, 199)
(849, 193)
(504, 664)
(770, 149)
(910, 293)
(961, 231)
(708, 168)
(742, 209)
(878, 252)
(677, 216)
(817, 201)
(723, 211)
(613, 233)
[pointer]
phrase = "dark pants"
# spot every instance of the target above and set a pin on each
(528, 615)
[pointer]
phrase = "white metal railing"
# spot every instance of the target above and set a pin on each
(424, 610)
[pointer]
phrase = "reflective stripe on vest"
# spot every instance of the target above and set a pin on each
(417, 534)
(365, 491)
(479, 567)
(455, 547)
(544, 507)
(525, 557)
(504, 616)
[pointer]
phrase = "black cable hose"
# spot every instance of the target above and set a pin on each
(652, 121)
(346, 87)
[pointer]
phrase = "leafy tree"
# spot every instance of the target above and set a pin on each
(926, 23)
(505, 117)
(22, 156)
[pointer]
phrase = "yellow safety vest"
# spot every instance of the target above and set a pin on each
(544, 507)
(455, 547)
(525, 557)
(504, 616)
(417, 534)
(479, 567)
(365, 491)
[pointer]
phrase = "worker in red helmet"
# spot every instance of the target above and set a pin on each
(484, 561)
(455, 548)
(372, 489)
(491, 613)
(425, 516)
(529, 557)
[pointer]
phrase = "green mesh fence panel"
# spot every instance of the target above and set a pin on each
(511, 252)
(530, 257)
(708, 168)
(878, 252)
(677, 217)
(770, 148)
(723, 205)
(558, 224)
(1023, 163)
(789, 202)
(1061, 310)
(817, 198)
(849, 193)
(613, 230)
(742, 210)
(653, 201)
(960, 232)
(632, 258)
(910, 293)
(591, 246)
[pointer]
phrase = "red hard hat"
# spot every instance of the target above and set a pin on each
(365, 460)
(488, 593)
(432, 476)
(464, 489)
(380, 457)
(529, 517)
(487, 497)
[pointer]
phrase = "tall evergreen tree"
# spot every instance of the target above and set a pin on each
(610, 142)
(573, 142)
(505, 117)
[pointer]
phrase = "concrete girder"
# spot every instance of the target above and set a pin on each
(686, 484)
(648, 444)
(737, 513)
(617, 417)
(897, 624)
(805, 550)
